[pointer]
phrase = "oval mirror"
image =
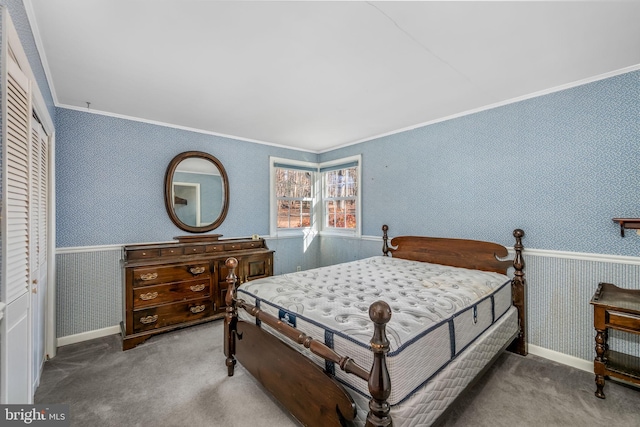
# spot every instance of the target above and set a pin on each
(196, 192)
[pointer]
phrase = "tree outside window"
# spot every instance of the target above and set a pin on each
(294, 191)
(340, 198)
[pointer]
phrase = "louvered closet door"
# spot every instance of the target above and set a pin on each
(17, 386)
(38, 244)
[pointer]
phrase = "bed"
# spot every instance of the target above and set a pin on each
(387, 340)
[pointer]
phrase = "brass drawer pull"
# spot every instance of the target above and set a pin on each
(197, 288)
(196, 270)
(197, 309)
(149, 276)
(148, 296)
(149, 319)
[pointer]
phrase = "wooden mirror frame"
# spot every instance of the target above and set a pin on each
(168, 184)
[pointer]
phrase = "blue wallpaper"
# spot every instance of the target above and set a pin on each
(110, 179)
(559, 166)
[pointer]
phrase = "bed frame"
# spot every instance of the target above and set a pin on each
(312, 396)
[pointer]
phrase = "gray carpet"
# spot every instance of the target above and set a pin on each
(179, 379)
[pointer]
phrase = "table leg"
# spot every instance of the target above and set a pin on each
(598, 363)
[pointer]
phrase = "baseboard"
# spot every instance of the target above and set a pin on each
(565, 359)
(89, 335)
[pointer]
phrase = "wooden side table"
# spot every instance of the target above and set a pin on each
(615, 308)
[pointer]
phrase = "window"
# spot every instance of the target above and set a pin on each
(293, 194)
(294, 186)
(340, 195)
(303, 192)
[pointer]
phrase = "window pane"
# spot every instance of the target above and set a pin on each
(284, 214)
(292, 188)
(305, 214)
(342, 186)
(294, 213)
(293, 183)
(341, 183)
(350, 214)
(351, 182)
(341, 213)
(331, 213)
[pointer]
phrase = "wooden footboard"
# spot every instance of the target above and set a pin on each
(298, 383)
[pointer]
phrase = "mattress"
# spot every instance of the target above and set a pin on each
(429, 402)
(438, 312)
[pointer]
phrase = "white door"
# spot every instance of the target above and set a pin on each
(16, 346)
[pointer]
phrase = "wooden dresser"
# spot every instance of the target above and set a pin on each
(174, 285)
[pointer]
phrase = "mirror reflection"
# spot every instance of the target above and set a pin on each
(198, 194)
(196, 191)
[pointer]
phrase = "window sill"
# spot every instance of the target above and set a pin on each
(340, 233)
(293, 233)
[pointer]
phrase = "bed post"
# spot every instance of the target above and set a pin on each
(231, 316)
(379, 379)
(518, 284)
(385, 240)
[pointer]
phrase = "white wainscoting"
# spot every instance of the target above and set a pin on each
(559, 288)
(88, 290)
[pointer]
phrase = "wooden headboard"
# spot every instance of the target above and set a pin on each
(474, 254)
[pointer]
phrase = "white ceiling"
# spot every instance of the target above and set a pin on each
(319, 75)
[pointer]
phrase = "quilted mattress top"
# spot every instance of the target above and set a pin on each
(338, 297)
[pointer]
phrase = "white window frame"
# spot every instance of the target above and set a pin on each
(318, 220)
(273, 217)
(357, 232)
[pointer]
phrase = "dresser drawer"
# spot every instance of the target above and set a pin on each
(147, 296)
(171, 314)
(155, 275)
(624, 321)
(251, 245)
(169, 252)
(143, 254)
(235, 246)
(194, 250)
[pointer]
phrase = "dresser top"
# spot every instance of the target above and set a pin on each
(185, 251)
